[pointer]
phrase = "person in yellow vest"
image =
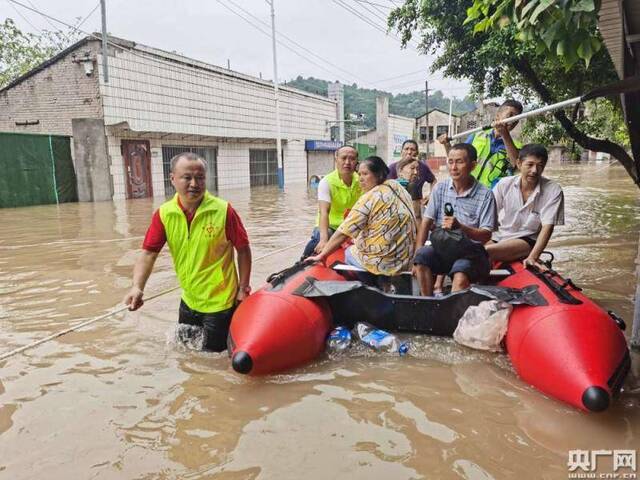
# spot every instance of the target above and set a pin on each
(337, 193)
(202, 232)
(497, 151)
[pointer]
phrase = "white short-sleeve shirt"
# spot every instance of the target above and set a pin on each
(516, 218)
(324, 190)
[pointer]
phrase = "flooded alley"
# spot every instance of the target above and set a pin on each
(120, 399)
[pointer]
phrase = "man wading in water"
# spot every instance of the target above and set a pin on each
(202, 231)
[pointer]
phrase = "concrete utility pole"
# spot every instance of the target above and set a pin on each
(105, 63)
(277, 96)
(449, 131)
(426, 115)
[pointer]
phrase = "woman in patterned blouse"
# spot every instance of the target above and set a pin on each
(382, 224)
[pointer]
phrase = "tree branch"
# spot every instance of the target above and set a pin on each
(585, 141)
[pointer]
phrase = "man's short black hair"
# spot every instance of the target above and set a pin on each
(533, 150)
(409, 141)
(472, 153)
(511, 103)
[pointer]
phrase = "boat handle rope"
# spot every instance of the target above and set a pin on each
(60, 333)
(557, 289)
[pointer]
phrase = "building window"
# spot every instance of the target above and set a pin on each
(423, 134)
(431, 134)
(210, 154)
(263, 167)
(442, 129)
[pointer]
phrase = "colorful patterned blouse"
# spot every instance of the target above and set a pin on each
(383, 225)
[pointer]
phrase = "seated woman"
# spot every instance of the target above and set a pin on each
(529, 207)
(408, 177)
(382, 223)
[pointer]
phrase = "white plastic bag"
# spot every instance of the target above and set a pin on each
(483, 326)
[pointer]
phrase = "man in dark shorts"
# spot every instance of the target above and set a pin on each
(529, 207)
(474, 215)
(202, 232)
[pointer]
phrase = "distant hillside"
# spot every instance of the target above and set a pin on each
(363, 100)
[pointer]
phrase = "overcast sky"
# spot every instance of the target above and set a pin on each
(206, 30)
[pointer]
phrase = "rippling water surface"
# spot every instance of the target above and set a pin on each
(121, 400)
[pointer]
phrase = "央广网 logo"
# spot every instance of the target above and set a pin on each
(584, 464)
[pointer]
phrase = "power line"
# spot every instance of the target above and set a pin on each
(298, 45)
(399, 76)
(257, 27)
(375, 13)
(48, 21)
(375, 4)
(371, 22)
(367, 20)
(87, 16)
(364, 82)
(24, 18)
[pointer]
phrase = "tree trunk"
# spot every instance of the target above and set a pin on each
(585, 141)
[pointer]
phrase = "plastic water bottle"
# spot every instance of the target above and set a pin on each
(339, 340)
(380, 340)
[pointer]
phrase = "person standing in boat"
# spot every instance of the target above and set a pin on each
(425, 175)
(529, 207)
(337, 193)
(202, 232)
(474, 215)
(382, 224)
(497, 151)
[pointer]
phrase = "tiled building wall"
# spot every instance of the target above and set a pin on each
(155, 95)
(232, 160)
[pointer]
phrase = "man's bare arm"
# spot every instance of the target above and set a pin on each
(141, 272)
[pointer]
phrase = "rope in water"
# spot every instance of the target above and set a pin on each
(114, 312)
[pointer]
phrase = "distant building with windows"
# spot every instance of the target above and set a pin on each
(157, 104)
(438, 124)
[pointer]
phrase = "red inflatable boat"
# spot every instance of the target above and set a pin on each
(273, 330)
(571, 349)
(566, 346)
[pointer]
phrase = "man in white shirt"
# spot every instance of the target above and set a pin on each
(529, 207)
(337, 193)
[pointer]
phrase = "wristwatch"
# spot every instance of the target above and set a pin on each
(246, 289)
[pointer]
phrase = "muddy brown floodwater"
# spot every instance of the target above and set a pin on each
(120, 399)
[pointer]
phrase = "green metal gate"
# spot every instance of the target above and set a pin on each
(36, 169)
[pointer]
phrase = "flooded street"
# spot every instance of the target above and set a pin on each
(120, 399)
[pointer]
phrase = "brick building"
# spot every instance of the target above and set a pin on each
(155, 105)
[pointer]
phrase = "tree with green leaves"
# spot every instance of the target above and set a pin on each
(542, 50)
(20, 51)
